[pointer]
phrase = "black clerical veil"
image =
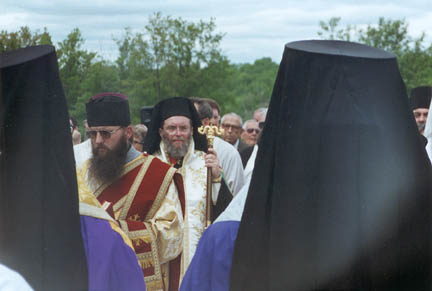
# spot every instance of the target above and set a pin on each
(40, 234)
(340, 197)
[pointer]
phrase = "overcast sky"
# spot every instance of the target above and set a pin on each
(254, 28)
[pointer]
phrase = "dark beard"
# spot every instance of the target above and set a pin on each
(108, 168)
(176, 153)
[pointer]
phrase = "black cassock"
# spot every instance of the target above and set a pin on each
(340, 197)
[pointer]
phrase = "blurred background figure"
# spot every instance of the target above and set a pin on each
(420, 101)
(260, 114)
(76, 135)
(139, 134)
(251, 131)
(216, 110)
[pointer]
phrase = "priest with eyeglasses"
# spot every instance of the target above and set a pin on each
(141, 196)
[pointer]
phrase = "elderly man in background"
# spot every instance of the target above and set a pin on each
(251, 131)
(260, 114)
(232, 125)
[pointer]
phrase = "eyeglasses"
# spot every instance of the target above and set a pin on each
(230, 126)
(251, 130)
(105, 134)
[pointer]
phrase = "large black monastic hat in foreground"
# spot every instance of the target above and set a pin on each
(40, 234)
(340, 197)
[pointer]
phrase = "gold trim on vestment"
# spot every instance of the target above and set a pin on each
(134, 188)
(162, 193)
(153, 282)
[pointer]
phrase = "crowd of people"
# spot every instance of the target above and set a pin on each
(171, 158)
(304, 195)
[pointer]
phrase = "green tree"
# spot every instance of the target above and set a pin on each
(24, 37)
(252, 86)
(74, 63)
(414, 54)
(171, 57)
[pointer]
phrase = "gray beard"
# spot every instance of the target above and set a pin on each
(107, 169)
(174, 152)
(421, 126)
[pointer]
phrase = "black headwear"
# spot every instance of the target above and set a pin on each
(421, 97)
(175, 106)
(40, 232)
(340, 197)
(108, 109)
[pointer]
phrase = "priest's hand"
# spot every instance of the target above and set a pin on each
(212, 161)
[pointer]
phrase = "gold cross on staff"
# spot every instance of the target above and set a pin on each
(210, 131)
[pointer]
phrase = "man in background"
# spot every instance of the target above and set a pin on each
(76, 135)
(216, 110)
(232, 126)
(139, 134)
(420, 102)
(260, 114)
(251, 131)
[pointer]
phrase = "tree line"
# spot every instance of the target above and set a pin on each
(174, 57)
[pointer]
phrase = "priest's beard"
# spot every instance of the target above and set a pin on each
(107, 168)
(176, 152)
(421, 126)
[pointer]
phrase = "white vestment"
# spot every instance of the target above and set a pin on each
(250, 164)
(231, 163)
(234, 210)
(194, 174)
(428, 133)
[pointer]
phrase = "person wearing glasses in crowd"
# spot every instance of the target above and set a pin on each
(141, 194)
(232, 125)
(251, 131)
(248, 155)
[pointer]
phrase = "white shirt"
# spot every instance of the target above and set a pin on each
(231, 163)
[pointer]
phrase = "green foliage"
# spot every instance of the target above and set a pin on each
(24, 37)
(74, 65)
(252, 86)
(171, 57)
(414, 54)
(330, 30)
